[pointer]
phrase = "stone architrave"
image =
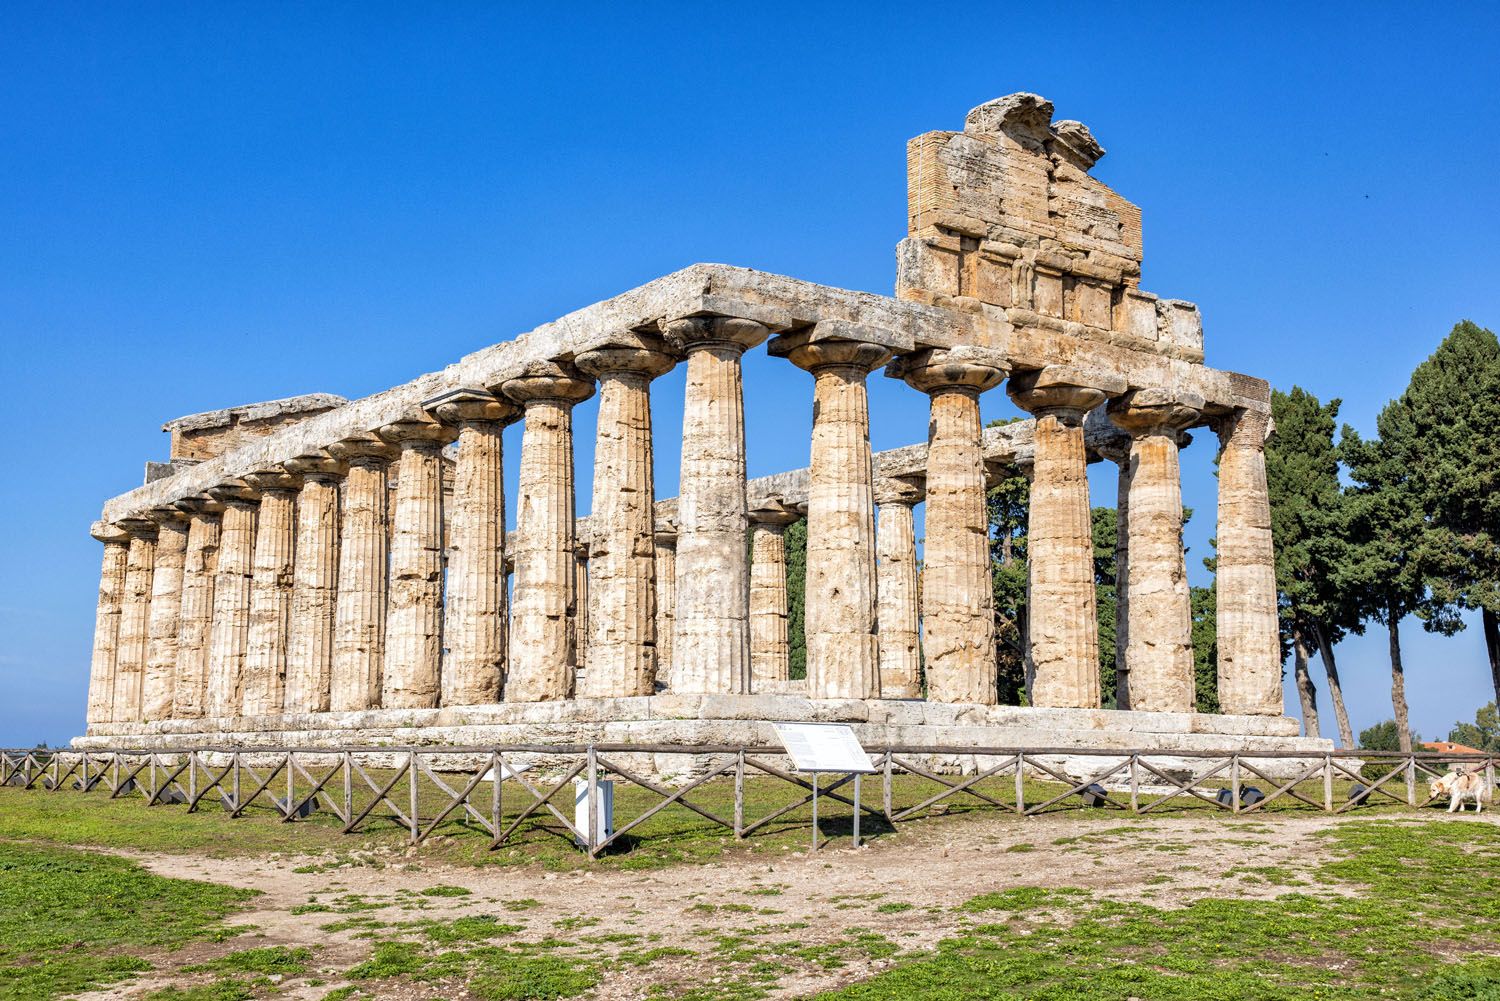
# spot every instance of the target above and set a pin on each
(414, 608)
(1245, 579)
(711, 622)
(474, 626)
(541, 656)
(271, 582)
(229, 638)
(1063, 627)
(666, 598)
(958, 623)
(315, 569)
(1161, 623)
(617, 608)
(135, 616)
(843, 661)
(364, 552)
(107, 620)
(898, 619)
(195, 618)
(164, 627)
(770, 646)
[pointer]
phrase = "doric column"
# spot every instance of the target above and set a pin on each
(578, 615)
(107, 620)
(617, 612)
(315, 569)
(770, 647)
(135, 616)
(666, 597)
(414, 609)
(359, 613)
(164, 626)
(842, 657)
(711, 638)
(270, 592)
(1160, 650)
(541, 662)
(897, 616)
(231, 620)
(958, 622)
(475, 619)
(195, 618)
(1063, 626)
(1245, 580)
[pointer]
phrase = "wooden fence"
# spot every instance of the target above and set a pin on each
(499, 790)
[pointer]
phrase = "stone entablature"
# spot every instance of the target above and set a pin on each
(204, 436)
(346, 562)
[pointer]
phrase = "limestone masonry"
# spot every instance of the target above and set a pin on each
(317, 571)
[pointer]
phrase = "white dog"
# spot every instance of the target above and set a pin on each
(1459, 786)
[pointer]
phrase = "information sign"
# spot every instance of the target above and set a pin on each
(823, 747)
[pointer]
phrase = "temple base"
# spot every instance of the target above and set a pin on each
(739, 720)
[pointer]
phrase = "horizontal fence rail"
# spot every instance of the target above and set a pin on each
(502, 791)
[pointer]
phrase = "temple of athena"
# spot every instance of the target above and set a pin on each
(316, 572)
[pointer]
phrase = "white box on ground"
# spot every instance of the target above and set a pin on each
(823, 747)
(604, 819)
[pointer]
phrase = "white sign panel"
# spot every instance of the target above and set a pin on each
(506, 772)
(823, 747)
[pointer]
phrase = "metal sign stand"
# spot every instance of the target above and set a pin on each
(817, 748)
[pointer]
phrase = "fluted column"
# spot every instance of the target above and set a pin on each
(666, 598)
(270, 592)
(618, 609)
(231, 619)
(164, 626)
(842, 657)
(897, 616)
(475, 617)
(578, 617)
(711, 639)
(196, 616)
(107, 620)
(1245, 581)
(770, 646)
(315, 567)
(1161, 623)
(1063, 625)
(135, 615)
(414, 610)
(359, 613)
(542, 664)
(958, 622)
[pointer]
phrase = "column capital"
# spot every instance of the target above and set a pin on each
(139, 528)
(1243, 427)
(166, 515)
(465, 406)
(839, 344)
(234, 492)
(965, 367)
(666, 532)
(108, 533)
(903, 490)
(273, 479)
(690, 333)
(416, 429)
(772, 511)
(363, 448)
(548, 381)
(200, 504)
(1156, 411)
(1063, 391)
(644, 356)
(316, 466)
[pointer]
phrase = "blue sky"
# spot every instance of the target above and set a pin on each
(213, 204)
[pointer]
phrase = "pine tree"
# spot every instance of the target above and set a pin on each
(1308, 526)
(1451, 450)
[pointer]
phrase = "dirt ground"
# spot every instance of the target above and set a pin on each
(827, 896)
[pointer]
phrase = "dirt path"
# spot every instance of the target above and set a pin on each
(904, 888)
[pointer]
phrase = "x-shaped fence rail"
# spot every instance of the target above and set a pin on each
(499, 789)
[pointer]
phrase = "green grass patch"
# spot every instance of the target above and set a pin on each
(265, 961)
(71, 921)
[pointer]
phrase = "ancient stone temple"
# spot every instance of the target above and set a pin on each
(322, 572)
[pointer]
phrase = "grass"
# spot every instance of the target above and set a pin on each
(71, 921)
(1424, 890)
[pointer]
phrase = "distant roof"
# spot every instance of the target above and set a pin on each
(1448, 747)
(255, 412)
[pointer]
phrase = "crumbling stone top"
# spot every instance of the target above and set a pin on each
(203, 436)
